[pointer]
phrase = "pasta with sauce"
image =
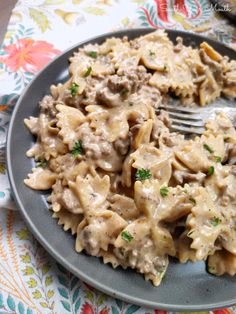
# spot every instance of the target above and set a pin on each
(129, 189)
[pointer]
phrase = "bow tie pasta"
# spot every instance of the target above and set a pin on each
(130, 190)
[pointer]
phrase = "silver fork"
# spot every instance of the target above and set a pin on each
(192, 120)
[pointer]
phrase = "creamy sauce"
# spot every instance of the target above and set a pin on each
(133, 192)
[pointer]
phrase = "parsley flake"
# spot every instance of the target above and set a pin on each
(208, 148)
(218, 159)
(192, 200)
(124, 91)
(165, 68)
(88, 71)
(164, 191)
(215, 221)
(74, 89)
(235, 223)
(77, 149)
(126, 236)
(211, 170)
(42, 164)
(151, 53)
(226, 140)
(93, 54)
(142, 174)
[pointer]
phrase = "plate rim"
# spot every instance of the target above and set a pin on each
(43, 241)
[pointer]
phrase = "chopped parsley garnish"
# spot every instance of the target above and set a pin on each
(77, 149)
(208, 148)
(185, 191)
(165, 68)
(126, 236)
(124, 91)
(42, 164)
(164, 191)
(218, 159)
(215, 221)
(93, 54)
(88, 71)
(192, 200)
(74, 89)
(211, 170)
(235, 223)
(151, 53)
(143, 174)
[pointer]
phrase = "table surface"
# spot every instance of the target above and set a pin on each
(6, 7)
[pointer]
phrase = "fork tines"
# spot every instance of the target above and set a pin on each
(188, 120)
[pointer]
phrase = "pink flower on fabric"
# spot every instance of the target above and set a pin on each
(29, 55)
(87, 309)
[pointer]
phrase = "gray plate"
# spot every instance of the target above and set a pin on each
(186, 287)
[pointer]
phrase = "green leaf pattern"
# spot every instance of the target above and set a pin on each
(10, 305)
(69, 290)
(40, 19)
(28, 270)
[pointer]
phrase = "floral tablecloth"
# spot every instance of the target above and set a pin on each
(31, 281)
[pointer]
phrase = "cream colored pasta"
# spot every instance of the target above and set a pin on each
(130, 190)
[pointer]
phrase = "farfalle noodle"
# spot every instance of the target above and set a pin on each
(129, 189)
